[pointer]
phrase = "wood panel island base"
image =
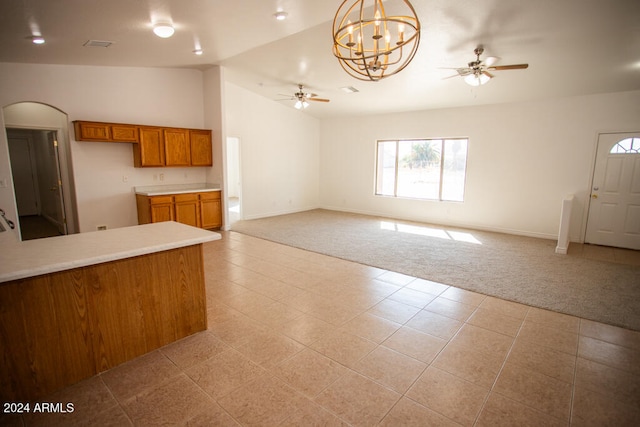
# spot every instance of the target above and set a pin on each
(61, 327)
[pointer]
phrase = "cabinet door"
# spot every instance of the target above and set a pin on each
(91, 131)
(210, 210)
(177, 147)
(149, 152)
(201, 150)
(187, 209)
(161, 208)
(124, 133)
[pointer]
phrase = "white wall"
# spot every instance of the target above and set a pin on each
(232, 176)
(213, 104)
(523, 159)
(167, 97)
(279, 150)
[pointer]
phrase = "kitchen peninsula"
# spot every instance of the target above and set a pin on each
(73, 306)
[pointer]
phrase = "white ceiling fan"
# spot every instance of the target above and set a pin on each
(478, 72)
(302, 98)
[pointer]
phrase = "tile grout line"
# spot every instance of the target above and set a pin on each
(575, 374)
(504, 362)
(126, 414)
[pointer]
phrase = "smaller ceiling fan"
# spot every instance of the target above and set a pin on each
(477, 72)
(302, 98)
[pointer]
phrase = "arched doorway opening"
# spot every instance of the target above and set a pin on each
(41, 169)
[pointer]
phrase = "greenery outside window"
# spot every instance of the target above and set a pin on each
(432, 169)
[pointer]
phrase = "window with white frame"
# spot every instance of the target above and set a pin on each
(432, 169)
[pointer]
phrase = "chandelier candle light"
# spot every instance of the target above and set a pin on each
(371, 45)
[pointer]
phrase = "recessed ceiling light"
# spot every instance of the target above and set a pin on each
(198, 51)
(163, 29)
(37, 39)
(280, 15)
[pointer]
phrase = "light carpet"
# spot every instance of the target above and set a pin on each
(515, 268)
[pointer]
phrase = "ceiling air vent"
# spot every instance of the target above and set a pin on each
(97, 43)
(349, 89)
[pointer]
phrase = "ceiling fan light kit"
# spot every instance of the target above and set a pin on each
(301, 105)
(477, 73)
(371, 44)
(302, 98)
(477, 79)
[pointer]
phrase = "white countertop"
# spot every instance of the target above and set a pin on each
(158, 190)
(30, 258)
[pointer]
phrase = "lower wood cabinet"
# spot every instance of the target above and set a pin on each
(187, 209)
(203, 210)
(210, 210)
(161, 209)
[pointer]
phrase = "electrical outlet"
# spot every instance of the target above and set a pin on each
(161, 177)
(125, 178)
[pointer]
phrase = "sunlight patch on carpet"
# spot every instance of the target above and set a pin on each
(430, 232)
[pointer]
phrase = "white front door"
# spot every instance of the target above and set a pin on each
(614, 210)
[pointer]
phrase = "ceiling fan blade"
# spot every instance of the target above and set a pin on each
(455, 75)
(464, 71)
(318, 99)
(509, 67)
(488, 74)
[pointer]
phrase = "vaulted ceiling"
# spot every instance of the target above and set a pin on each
(573, 47)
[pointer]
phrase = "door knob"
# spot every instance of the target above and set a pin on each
(54, 188)
(594, 196)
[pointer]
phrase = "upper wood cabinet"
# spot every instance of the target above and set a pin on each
(105, 132)
(177, 148)
(153, 146)
(149, 152)
(201, 150)
(124, 133)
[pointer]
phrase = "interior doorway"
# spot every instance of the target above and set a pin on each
(233, 180)
(41, 169)
(35, 166)
(614, 208)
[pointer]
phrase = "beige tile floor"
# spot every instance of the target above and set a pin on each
(300, 339)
